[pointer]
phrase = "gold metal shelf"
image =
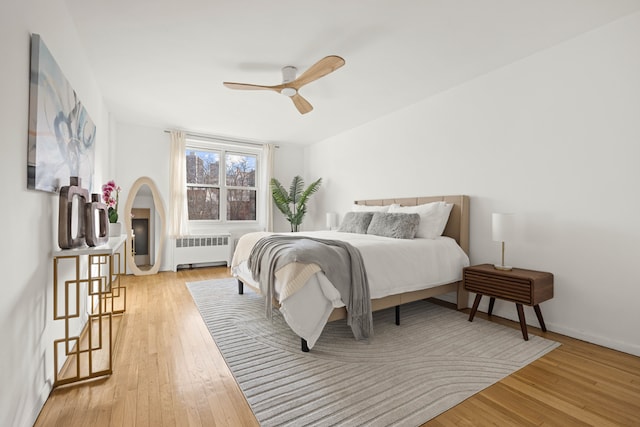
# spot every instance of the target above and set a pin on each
(89, 354)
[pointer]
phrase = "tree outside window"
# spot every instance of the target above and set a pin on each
(207, 189)
(241, 187)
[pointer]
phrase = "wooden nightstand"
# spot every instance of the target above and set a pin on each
(521, 286)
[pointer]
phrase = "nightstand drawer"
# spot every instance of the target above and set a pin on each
(511, 289)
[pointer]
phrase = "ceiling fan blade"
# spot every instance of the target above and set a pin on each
(326, 65)
(301, 104)
(247, 86)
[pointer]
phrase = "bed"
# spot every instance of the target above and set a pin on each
(316, 301)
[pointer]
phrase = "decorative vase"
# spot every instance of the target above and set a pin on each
(70, 214)
(115, 229)
(95, 222)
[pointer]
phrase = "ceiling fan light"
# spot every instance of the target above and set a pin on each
(288, 91)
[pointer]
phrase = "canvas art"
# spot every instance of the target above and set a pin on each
(61, 133)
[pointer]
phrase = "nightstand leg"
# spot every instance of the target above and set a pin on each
(540, 319)
(492, 300)
(476, 303)
(523, 323)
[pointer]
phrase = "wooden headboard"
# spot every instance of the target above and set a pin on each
(458, 226)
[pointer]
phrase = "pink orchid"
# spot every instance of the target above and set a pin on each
(110, 199)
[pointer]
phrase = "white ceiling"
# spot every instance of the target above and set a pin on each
(162, 62)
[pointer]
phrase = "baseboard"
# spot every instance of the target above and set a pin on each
(625, 347)
(37, 406)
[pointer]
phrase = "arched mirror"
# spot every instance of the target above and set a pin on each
(145, 223)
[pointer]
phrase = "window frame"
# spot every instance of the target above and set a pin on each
(224, 148)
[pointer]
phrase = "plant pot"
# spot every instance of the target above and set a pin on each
(115, 229)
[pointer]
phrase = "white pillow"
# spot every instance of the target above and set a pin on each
(365, 208)
(433, 217)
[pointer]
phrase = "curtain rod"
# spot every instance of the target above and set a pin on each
(221, 138)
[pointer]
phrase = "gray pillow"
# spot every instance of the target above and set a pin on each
(356, 222)
(396, 225)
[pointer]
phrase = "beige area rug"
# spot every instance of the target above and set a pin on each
(404, 376)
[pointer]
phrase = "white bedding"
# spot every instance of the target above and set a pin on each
(393, 266)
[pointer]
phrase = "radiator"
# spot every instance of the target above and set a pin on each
(202, 250)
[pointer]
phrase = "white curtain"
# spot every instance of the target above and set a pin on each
(179, 225)
(268, 153)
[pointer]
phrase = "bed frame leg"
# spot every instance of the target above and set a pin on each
(303, 345)
(240, 287)
(397, 315)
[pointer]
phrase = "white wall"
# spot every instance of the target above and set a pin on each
(144, 152)
(288, 162)
(554, 138)
(27, 330)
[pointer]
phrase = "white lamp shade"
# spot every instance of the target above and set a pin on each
(503, 227)
(332, 220)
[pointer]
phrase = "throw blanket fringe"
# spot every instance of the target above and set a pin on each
(341, 263)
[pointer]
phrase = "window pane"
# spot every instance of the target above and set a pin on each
(203, 203)
(241, 170)
(203, 167)
(241, 205)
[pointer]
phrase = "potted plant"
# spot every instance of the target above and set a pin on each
(293, 204)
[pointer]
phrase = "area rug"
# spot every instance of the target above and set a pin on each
(405, 375)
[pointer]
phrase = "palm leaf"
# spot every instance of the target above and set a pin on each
(280, 197)
(313, 187)
(297, 185)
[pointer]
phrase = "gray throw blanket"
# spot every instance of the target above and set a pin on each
(340, 262)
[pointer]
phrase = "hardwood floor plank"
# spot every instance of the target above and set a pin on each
(168, 371)
(623, 402)
(565, 405)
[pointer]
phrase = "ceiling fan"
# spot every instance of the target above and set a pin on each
(291, 85)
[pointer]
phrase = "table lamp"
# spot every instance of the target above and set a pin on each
(502, 230)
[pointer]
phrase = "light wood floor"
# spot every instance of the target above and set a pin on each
(168, 371)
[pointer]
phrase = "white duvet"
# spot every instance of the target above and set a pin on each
(393, 266)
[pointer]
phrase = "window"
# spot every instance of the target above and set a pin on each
(240, 181)
(216, 196)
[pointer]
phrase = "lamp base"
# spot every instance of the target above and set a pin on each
(502, 267)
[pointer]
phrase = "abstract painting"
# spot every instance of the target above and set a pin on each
(61, 133)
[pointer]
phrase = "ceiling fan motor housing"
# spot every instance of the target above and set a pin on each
(288, 75)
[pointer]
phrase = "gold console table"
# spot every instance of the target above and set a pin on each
(89, 354)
